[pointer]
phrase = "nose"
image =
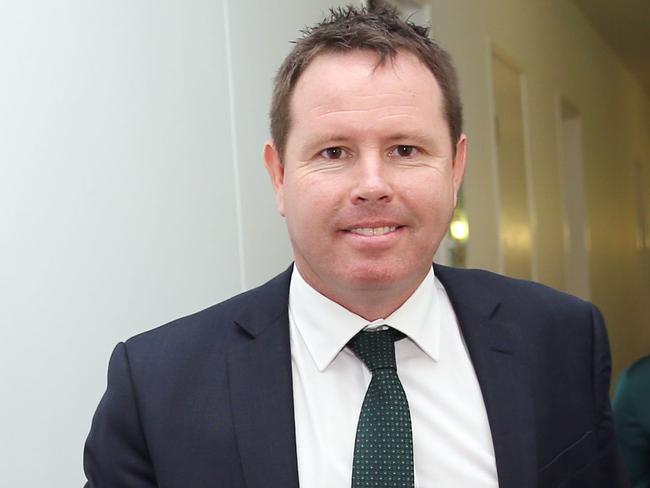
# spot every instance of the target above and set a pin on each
(371, 182)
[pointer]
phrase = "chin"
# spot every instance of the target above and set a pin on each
(376, 277)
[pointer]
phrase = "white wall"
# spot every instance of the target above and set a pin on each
(118, 198)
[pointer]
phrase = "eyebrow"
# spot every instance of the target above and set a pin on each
(415, 137)
(326, 140)
(334, 138)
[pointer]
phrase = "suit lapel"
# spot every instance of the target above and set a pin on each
(498, 357)
(259, 371)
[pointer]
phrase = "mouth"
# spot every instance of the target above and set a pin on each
(373, 231)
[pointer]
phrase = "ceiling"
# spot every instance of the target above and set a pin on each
(625, 26)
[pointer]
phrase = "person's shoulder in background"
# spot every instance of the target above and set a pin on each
(631, 406)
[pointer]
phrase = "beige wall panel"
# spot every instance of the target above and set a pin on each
(560, 52)
(514, 214)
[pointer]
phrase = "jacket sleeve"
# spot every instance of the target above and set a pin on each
(610, 466)
(116, 453)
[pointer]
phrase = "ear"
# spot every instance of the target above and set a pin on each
(458, 165)
(275, 168)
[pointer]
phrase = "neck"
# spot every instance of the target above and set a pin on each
(372, 307)
(371, 301)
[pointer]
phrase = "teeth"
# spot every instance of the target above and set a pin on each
(373, 231)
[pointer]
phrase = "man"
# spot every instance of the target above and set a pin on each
(362, 365)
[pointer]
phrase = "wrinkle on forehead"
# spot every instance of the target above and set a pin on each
(324, 111)
(395, 116)
(401, 102)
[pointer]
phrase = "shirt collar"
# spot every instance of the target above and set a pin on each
(326, 327)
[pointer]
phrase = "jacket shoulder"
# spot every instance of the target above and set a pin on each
(522, 291)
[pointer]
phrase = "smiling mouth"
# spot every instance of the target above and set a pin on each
(373, 231)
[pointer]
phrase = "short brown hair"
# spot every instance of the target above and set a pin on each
(376, 28)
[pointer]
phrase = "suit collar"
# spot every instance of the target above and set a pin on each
(468, 293)
(265, 304)
(497, 353)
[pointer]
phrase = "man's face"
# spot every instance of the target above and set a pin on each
(369, 179)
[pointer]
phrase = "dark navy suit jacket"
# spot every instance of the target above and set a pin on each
(206, 401)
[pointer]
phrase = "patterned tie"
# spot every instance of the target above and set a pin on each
(383, 452)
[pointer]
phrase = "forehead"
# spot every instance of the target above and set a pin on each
(364, 72)
(352, 88)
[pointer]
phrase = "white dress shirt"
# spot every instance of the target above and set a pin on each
(452, 444)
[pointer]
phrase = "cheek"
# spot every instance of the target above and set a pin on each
(432, 205)
(306, 207)
(315, 195)
(428, 194)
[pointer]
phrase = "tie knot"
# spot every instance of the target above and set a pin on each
(376, 348)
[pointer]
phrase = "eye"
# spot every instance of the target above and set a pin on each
(404, 151)
(333, 153)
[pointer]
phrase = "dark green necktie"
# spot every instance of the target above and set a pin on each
(383, 451)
